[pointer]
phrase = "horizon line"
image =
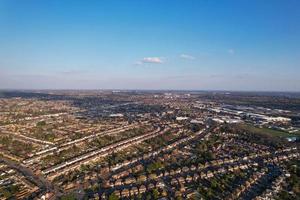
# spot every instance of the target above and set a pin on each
(117, 89)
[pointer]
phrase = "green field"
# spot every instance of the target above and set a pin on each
(267, 131)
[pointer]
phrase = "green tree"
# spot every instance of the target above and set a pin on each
(155, 194)
(113, 196)
(148, 197)
(7, 194)
(68, 197)
(41, 123)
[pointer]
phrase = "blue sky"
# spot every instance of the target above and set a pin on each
(154, 44)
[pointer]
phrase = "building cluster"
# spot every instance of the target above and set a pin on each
(143, 145)
(14, 184)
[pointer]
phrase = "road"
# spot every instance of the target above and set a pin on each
(163, 149)
(27, 139)
(103, 151)
(43, 184)
(63, 146)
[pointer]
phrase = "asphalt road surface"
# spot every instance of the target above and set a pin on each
(43, 184)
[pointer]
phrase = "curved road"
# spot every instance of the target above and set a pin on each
(43, 184)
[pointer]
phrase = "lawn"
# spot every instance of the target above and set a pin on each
(267, 131)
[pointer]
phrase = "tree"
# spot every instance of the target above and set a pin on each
(113, 196)
(179, 198)
(155, 194)
(6, 194)
(139, 197)
(195, 128)
(148, 197)
(41, 123)
(68, 197)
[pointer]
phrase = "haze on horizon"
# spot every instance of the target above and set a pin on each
(150, 44)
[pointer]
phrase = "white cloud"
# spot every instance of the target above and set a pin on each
(155, 60)
(187, 57)
(231, 51)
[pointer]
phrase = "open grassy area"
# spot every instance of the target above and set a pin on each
(266, 131)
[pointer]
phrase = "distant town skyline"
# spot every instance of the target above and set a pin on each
(177, 45)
